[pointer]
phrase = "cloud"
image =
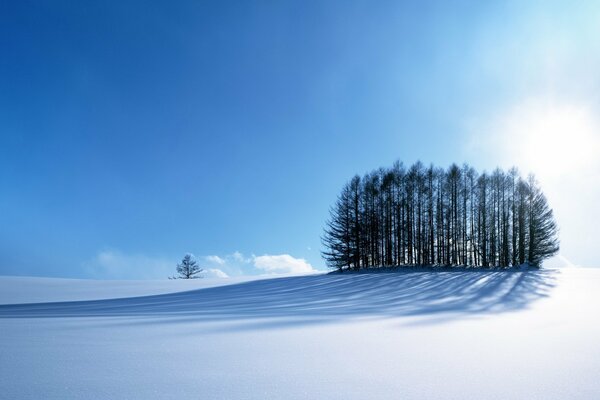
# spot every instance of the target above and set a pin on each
(239, 257)
(233, 264)
(282, 264)
(113, 264)
(215, 260)
(214, 273)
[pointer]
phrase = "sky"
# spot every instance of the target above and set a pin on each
(134, 132)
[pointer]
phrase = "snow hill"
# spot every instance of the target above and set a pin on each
(18, 289)
(413, 335)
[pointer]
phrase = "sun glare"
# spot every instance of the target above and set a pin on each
(552, 140)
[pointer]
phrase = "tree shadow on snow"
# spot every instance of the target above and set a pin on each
(303, 300)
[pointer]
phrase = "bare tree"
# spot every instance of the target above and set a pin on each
(188, 268)
(425, 216)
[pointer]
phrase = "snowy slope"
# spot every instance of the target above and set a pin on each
(18, 289)
(451, 335)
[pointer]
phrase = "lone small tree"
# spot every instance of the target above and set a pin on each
(188, 268)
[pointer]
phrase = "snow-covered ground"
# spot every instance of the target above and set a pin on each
(420, 335)
(19, 289)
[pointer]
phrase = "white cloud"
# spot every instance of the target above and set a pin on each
(215, 260)
(214, 273)
(113, 264)
(239, 257)
(282, 264)
(233, 264)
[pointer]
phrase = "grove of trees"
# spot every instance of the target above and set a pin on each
(422, 215)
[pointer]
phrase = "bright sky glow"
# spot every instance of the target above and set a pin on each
(548, 139)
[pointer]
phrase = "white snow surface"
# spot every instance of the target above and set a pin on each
(417, 335)
(19, 289)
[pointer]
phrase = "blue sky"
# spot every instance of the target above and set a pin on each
(134, 132)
